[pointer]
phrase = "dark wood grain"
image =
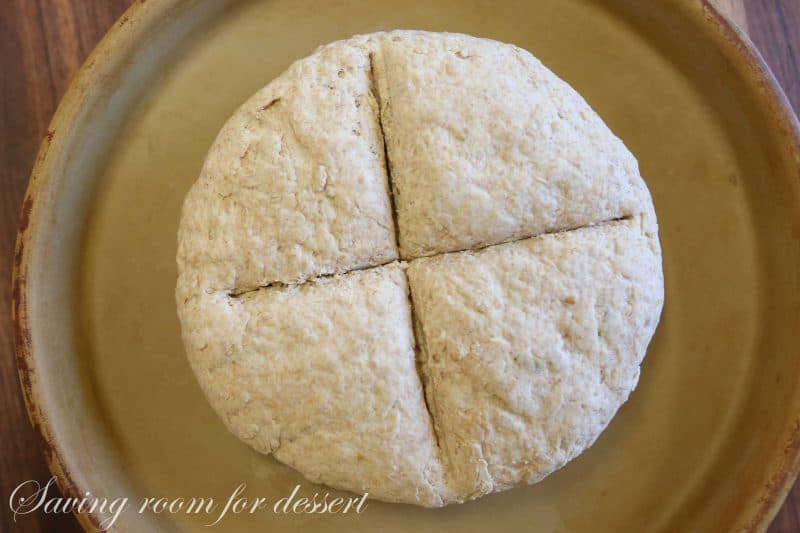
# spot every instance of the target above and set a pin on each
(42, 44)
(774, 27)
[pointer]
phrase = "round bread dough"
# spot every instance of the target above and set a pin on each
(418, 265)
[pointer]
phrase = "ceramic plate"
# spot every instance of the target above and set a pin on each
(708, 441)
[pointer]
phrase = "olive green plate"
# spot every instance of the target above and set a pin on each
(708, 441)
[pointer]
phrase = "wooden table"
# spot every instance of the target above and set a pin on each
(43, 43)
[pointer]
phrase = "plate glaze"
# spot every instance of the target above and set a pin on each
(708, 441)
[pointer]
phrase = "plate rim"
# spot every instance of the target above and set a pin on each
(141, 16)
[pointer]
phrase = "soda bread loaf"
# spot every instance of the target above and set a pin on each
(418, 265)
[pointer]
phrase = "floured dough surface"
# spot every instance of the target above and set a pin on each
(322, 376)
(294, 186)
(487, 145)
(452, 374)
(529, 348)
